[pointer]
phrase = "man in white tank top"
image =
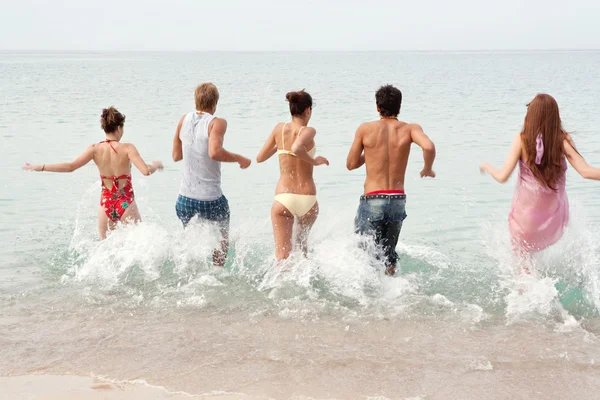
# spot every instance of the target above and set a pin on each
(199, 143)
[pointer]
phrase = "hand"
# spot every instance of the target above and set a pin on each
(484, 168)
(29, 167)
(427, 173)
(244, 162)
(157, 165)
(321, 160)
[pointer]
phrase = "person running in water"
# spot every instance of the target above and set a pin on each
(296, 193)
(384, 146)
(540, 207)
(113, 159)
(198, 142)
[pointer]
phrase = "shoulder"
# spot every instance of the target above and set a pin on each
(518, 139)
(218, 123)
(569, 140)
(412, 127)
(369, 124)
(365, 127)
(308, 130)
(91, 148)
(128, 147)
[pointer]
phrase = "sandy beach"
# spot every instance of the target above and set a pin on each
(48, 387)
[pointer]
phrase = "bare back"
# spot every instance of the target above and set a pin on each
(386, 148)
(296, 174)
(112, 159)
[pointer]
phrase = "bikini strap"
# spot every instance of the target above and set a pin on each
(300, 130)
(115, 180)
(108, 141)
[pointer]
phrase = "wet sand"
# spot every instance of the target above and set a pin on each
(289, 359)
(48, 387)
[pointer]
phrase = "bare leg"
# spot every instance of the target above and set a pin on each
(283, 225)
(103, 223)
(220, 255)
(305, 223)
(131, 214)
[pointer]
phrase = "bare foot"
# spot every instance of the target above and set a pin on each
(219, 258)
(391, 270)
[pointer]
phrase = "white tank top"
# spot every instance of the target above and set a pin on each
(201, 174)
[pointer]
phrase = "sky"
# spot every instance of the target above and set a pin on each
(276, 25)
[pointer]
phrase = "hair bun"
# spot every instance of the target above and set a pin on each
(294, 97)
(111, 119)
(291, 96)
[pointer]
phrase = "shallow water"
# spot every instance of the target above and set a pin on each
(456, 321)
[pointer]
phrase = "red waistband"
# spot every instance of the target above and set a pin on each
(385, 192)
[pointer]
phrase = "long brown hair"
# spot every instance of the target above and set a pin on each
(543, 118)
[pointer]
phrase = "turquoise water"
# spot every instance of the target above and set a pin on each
(60, 286)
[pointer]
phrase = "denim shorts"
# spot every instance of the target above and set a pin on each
(380, 216)
(214, 211)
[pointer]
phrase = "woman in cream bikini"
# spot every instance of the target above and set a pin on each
(296, 193)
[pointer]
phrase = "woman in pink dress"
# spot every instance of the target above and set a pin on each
(540, 208)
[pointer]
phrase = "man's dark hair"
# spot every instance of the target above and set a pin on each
(389, 100)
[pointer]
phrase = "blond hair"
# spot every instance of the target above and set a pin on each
(207, 96)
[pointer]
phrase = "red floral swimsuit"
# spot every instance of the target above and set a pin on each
(115, 200)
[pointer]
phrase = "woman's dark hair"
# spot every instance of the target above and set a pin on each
(389, 100)
(111, 119)
(299, 102)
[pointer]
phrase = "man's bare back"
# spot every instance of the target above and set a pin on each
(384, 146)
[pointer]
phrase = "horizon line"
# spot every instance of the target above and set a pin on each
(508, 50)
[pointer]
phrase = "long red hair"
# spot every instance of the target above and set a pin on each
(543, 117)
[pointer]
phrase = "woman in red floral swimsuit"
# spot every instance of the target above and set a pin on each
(113, 160)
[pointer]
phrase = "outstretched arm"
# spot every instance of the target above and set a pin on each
(299, 147)
(422, 140)
(177, 145)
(356, 157)
(576, 160)
(507, 169)
(216, 151)
(269, 148)
(140, 164)
(79, 162)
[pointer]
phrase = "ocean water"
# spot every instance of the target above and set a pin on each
(455, 322)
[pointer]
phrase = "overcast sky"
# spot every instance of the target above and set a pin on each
(299, 25)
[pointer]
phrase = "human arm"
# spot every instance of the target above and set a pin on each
(507, 169)
(140, 164)
(299, 147)
(422, 140)
(79, 162)
(577, 161)
(268, 149)
(177, 145)
(356, 157)
(216, 151)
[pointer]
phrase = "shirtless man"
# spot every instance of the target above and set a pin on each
(384, 146)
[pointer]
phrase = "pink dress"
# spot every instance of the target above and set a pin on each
(538, 215)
